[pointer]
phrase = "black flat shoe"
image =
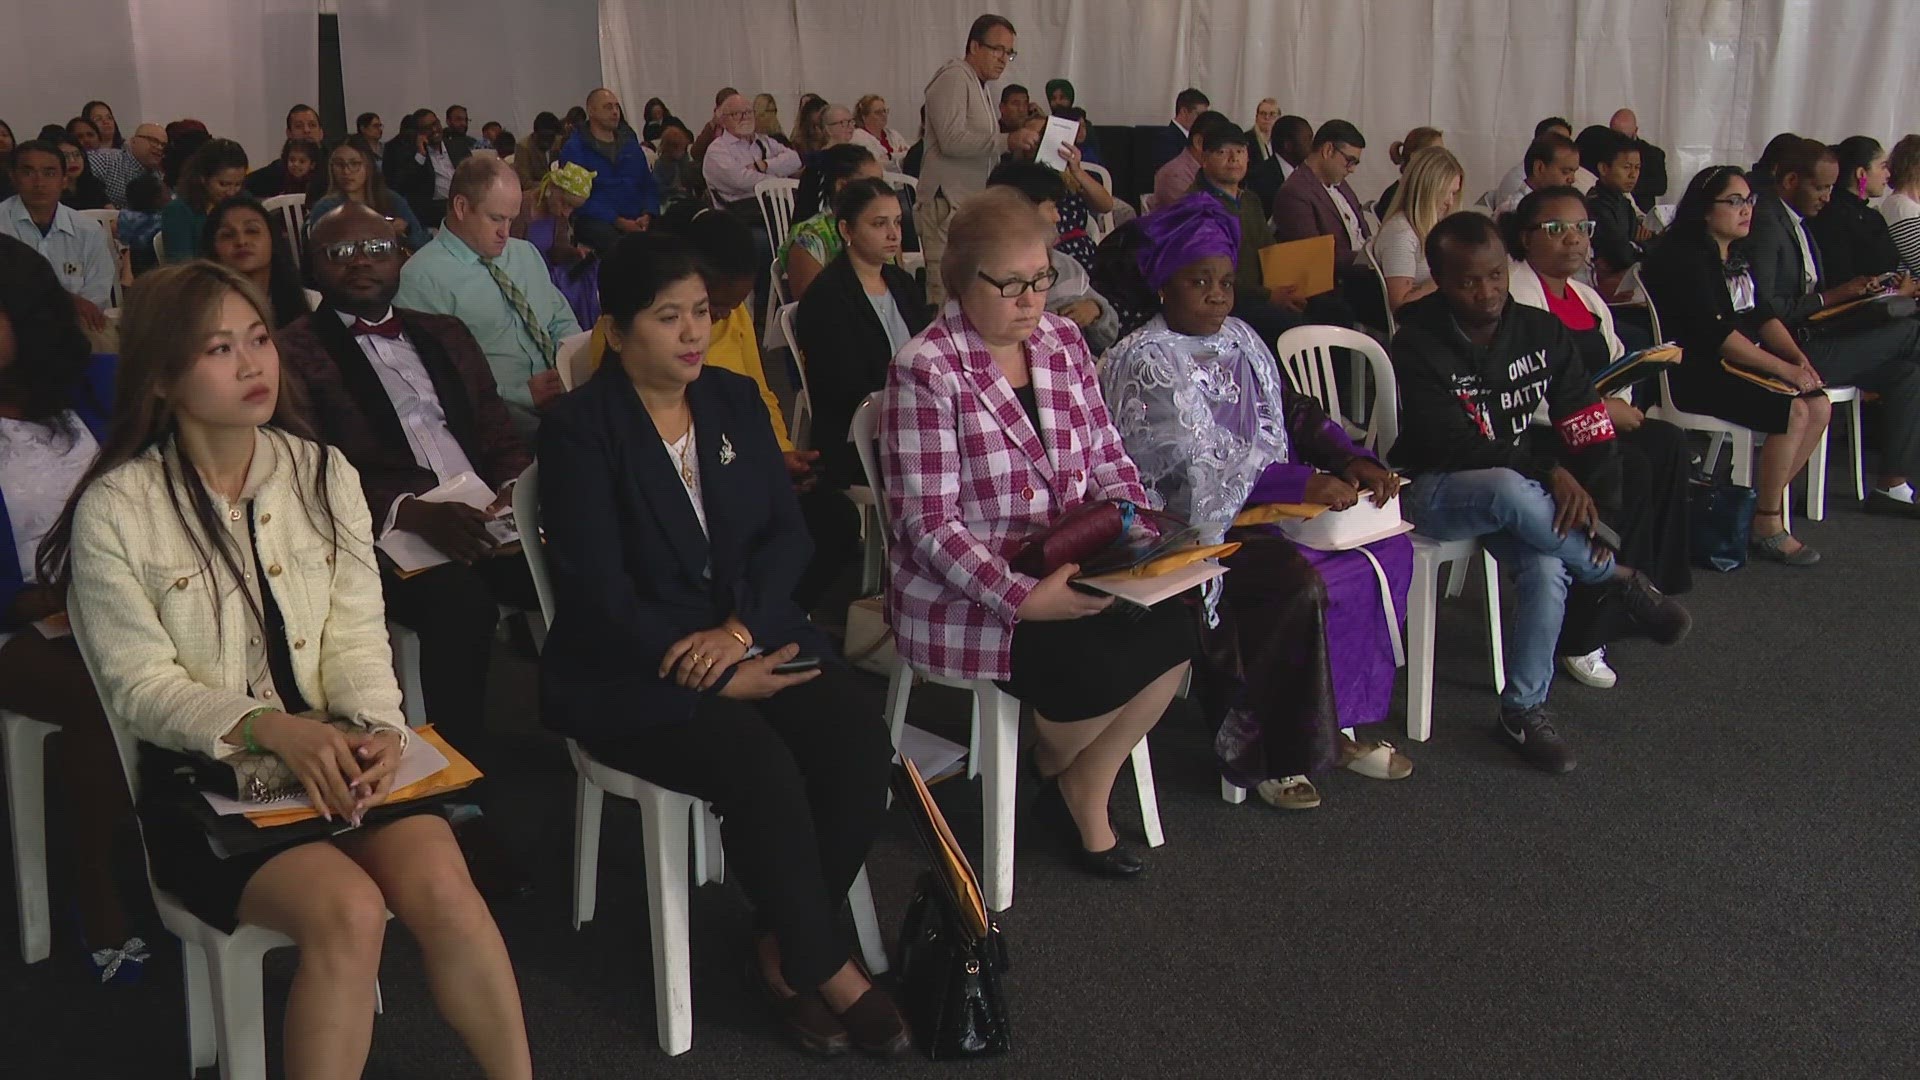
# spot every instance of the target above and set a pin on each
(1115, 862)
(875, 1025)
(805, 1018)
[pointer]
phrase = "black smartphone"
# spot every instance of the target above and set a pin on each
(797, 665)
(1605, 534)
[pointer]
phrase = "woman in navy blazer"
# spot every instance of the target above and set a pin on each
(54, 405)
(676, 540)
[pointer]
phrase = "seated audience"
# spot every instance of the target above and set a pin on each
(1400, 153)
(1266, 170)
(299, 170)
(1177, 136)
(740, 158)
(1016, 381)
(1173, 179)
(1617, 230)
(1083, 140)
(502, 143)
(243, 238)
(77, 249)
(1071, 295)
(407, 397)
(1317, 200)
(836, 121)
(1295, 136)
(535, 153)
(1270, 310)
(370, 127)
(675, 174)
(1297, 647)
(80, 189)
(1901, 207)
(216, 172)
(870, 115)
(1854, 239)
(815, 238)
(574, 267)
(419, 166)
(184, 139)
(1428, 191)
(6, 160)
(100, 115)
(459, 143)
(54, 405)
(117, 168)
(171, 490)
(1653, 160)
(1761, 176)
(1508, 192)
(1472, 366)
(303, 126)
(575, 119)
(490, 135)
(1703, 286)
(1016, 108)
(676, 545)
(1060, 94)
(497, 285)
(84, 133)
(766, 120)
(653, 120)
(1791, 284)
(809, 126)
(860, 311)
(139, 223)
(1552, 161)
(1084, 197)
(1547, 240)
(353, 176)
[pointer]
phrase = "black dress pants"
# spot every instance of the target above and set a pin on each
(455, 608)
(799, 780)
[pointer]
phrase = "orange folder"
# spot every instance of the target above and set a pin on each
(458, 773)
(1307, 265)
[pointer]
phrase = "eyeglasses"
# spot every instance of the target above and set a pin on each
(1353, 160)
(372, 249)
(1002, 51)
(1737, 201)
(736, 114)
(1015, 286)
(1558, 229)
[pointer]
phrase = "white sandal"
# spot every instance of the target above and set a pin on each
(1380, 761)
(1289, 793)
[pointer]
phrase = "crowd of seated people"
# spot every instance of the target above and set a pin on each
(411, 335)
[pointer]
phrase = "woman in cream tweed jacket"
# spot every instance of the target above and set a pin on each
(224, 595)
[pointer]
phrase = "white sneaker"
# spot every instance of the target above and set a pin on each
(1591, 669)
(1903, 494)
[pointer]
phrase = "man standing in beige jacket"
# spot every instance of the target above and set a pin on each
(963, 139)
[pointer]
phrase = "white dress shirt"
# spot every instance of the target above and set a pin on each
(1809, 273)
(729, 166)
(403, 375)
(1347, 217)
(442, 163)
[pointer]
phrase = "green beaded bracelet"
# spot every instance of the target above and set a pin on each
(246, 730)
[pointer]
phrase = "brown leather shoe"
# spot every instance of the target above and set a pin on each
(806, 1018)
(875, 1024)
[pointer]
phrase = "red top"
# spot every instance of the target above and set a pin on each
(1570, 308)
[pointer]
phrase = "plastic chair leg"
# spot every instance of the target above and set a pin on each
(664, 834)
(1000, 719)
(899, 688)
(709, 853)
(1422, 599)
(1456, 578)
(588, 800)
(1231, 794)
(1859, 453)
(1742, 444)
(1817, 479)
(1149, 798)
(866, 924)
(239, 1012)
(202, 1049)
(1496, 635)
(26, 753)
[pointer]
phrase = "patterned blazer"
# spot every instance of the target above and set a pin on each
(968, 479)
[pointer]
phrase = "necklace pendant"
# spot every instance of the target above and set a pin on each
(726, 450)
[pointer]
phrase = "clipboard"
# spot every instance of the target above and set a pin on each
(1306, 265)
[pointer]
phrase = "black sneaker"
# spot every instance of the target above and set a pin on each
(1657, 615)
(1532, 733)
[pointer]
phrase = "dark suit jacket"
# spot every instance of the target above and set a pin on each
(847, 354)
(632, 570)
(1854, 239)
(413, 180)
(350, 408)
(1304, 208)
(1264, 175)
(1168, 144)
(1653, 176)
(1779, 278)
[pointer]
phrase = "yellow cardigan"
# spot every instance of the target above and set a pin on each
(733, 348)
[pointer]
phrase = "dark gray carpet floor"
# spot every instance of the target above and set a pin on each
(1726, 887)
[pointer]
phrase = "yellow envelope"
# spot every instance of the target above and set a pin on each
(1175, 560)
(1307, 265)
(458, 773)
(1268, 513)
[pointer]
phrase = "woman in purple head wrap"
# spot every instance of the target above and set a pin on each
(1297, 645)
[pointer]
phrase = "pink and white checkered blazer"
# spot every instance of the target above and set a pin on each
(968, 479)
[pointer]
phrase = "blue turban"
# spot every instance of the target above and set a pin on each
(1184, 233)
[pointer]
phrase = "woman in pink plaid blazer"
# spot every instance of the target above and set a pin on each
(992, 426)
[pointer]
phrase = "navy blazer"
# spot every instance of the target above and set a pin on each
(93, 404)
(633, 572)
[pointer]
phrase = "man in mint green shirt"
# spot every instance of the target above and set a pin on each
(499, 286)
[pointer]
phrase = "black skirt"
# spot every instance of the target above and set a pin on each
(1705, 387)
(1077, 669)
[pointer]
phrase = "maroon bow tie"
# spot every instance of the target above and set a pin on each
(388, 328)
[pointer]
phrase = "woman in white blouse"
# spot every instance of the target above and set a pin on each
(1429, 190)
(222, 588)
(870, 130)
(1901, 207)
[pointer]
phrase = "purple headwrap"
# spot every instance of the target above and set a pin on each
(1184, 233)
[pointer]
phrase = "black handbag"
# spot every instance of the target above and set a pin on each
(951, 952)
(1719, 524)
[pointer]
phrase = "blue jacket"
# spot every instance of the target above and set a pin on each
(93, 404)
(622, 188)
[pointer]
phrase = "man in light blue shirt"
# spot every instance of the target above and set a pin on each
(500, 287)
(76, 246)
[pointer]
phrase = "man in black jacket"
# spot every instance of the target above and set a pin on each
(1653, 160)
(1617, 230)
(419, 164)
(1472, 368)
(1789, 286)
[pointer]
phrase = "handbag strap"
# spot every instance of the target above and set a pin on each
(1386, 603)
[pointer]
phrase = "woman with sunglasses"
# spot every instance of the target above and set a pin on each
(1549, 237)
(993, 429)
(1704, 292)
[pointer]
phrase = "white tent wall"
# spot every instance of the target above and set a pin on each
(1711, 80)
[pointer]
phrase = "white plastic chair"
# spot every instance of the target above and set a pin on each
(1099, 225)
(666, 816)
(775, 195)
(776, 299)
(226, 1015)
(571, 354)
(159, 250)
(993, 750)
(1306, 354)
(1149, 202)
(1373, 262)
(1817, 464)
(802, 423)
(23, 740)
(293, 218)
(900, 179)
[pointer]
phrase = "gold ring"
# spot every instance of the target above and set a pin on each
(696, 657)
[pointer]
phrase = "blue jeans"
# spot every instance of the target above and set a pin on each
(1513, 517)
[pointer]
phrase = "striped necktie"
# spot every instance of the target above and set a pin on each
(517, 300)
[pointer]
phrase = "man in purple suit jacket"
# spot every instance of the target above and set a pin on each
(1317, 200)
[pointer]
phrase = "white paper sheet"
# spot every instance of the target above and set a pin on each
(935, 757)
(411, 552)
(420, 761)
(1060, 132)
